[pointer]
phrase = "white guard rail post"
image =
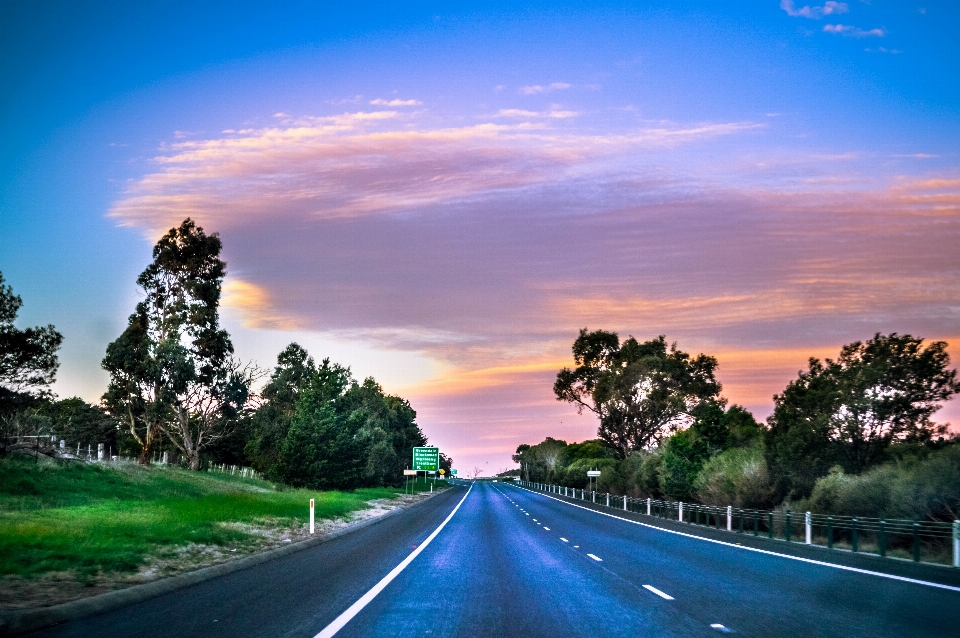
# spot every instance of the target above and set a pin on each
(730, 518)
(956, 543)
(809, 528)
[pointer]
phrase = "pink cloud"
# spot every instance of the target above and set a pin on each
(486, 247)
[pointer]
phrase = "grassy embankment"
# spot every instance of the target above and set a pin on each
(87, 522)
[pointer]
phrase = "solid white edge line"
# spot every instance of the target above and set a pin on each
(354, 609)
(759, 551)
(658, 592)
(596, 558)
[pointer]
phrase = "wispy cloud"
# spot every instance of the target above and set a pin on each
(533, 89)
(853, 32)
(363, 163)
(556, 113)
(395, 102)
(814, 13)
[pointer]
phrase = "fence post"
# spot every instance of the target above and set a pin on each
(882, 539)
(916, 542)
(855, 536)
(680, 510)
(648, 506)
(956, 543)
(99, 451)
(809, 525)
(829, 532)
(729, 518)
(311, 516)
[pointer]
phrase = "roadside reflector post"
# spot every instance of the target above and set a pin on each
(809, 526)
(608, 499)
(648, 506)
(730, 518)
(956, 543)
(680, 510)
(311, 516)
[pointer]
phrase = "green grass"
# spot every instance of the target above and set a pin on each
(94, 518)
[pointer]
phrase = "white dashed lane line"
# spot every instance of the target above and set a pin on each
(721, 628)
(564, 540)
(658, 592)
(598, 559)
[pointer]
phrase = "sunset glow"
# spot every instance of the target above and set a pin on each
(441, 198)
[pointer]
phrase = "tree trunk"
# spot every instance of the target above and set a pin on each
(149, 443)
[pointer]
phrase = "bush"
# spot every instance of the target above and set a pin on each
(920, 488)
(737, 477)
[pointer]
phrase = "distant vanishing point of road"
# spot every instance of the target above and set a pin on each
(497, 560)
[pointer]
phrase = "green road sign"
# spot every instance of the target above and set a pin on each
(426, 459)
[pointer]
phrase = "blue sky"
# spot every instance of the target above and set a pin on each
(441, 195)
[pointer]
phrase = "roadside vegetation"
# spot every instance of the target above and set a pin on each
(852, 436)
(122, 523)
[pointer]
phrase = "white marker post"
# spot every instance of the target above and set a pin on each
(956, 543)
(311, 516)
(729, 518)
(809, 527)
(648, 506)
(680, 510)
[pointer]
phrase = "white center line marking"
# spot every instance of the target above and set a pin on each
(564, 540)
(598, 559)
(364, 600)
(658, 592)
(720, 627)
(547, 528)
(577, 546)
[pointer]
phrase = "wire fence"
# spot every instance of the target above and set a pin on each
(927, 541)
(51, 446)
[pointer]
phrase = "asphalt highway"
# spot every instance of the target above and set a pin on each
(509, 562)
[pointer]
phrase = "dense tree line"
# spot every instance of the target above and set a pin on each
(852, 435)
(176, 387)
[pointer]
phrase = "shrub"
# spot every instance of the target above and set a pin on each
(737, 477)
(921, 488)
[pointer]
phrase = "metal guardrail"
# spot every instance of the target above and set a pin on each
(929, 541)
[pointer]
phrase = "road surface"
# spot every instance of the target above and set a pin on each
(510, 562)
